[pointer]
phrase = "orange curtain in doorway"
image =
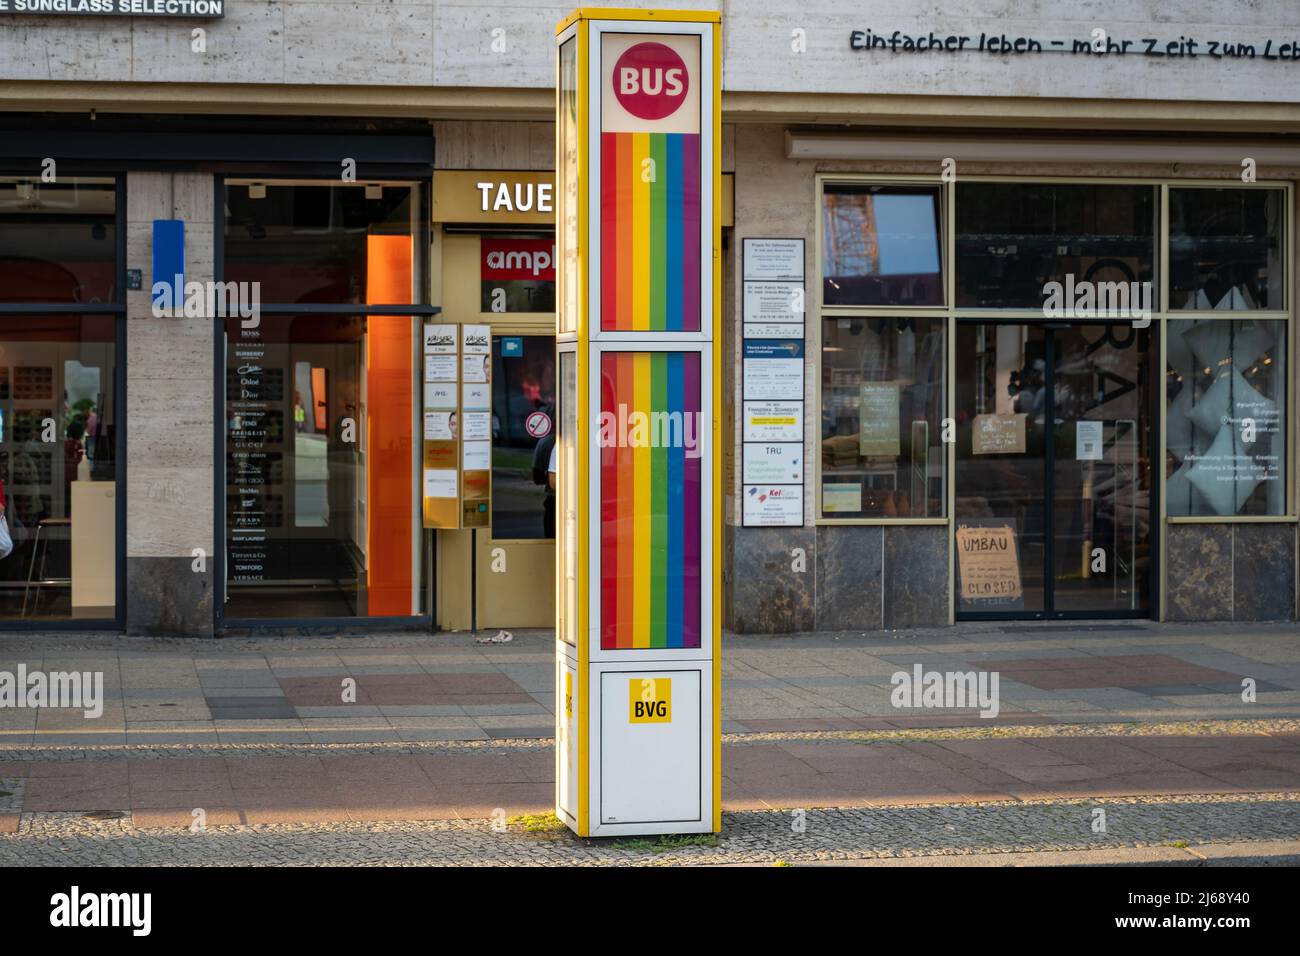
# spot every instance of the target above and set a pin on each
(390, 378)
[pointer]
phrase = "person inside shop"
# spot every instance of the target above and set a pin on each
(74, 451)
(6, 539)
(544, 475)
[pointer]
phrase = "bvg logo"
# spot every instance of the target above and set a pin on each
(650, 80)
(650, 700)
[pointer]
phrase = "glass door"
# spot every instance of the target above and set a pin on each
(1053, 479)
(1101, 471)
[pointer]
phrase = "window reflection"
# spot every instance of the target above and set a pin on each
(882, 411)
(58, 242)
(58, 467)
(523, 436)
(880, 246)
(1014, 238)
(313, 243)
(1225, 249)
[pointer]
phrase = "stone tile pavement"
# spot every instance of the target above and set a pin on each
(446, 687)
(388, 730)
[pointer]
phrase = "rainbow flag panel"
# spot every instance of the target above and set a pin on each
(650, 232)
(651, 446)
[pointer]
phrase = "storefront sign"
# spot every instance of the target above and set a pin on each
(439, 426)
(773, 310)
(522, 197)
(476, 456)
(476, 425)
(773, 506)
(988, 563)
(998, 434)
(775, 260)
(517, 275)
(773, 421)
(878, 428)
(1097, 43)
(175, 9)
(255, 398)
(457, 425)
(772, 375)
(530, 259)
(494, 196)
(774, 462)
(773, 370)
(441, 434)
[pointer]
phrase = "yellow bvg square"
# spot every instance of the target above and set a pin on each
(650, 700)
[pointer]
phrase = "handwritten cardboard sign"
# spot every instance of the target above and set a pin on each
(998, 435)
(988, 563)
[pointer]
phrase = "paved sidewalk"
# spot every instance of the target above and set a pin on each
(446, 687)
(253, 736)
(164, 786)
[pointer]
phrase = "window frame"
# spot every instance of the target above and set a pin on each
(1161, 314)
(116, 309)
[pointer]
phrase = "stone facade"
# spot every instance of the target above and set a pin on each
(170, 421)
(768, 47)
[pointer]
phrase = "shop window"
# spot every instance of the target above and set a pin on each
(1227, 417)
(881, 245)
(1014, 238)
(322, 505)
(882, 453)
(311, 244)
(523, 436)
(58, 241)
(1225, 249)
(58, 465)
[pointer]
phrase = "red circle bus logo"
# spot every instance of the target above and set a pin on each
(650, 80)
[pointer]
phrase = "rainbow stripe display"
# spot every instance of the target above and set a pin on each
(650, 232)
(650, 498)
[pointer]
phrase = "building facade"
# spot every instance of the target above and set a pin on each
(1010, 297)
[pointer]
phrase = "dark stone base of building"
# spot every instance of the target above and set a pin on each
(167, 597)
(1230, 572)
(866, 578)
(838, 578)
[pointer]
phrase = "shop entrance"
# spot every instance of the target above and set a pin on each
(514, 582)
(1054, 496)
(501, 574)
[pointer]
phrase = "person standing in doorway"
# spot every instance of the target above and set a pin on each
(544, 475)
